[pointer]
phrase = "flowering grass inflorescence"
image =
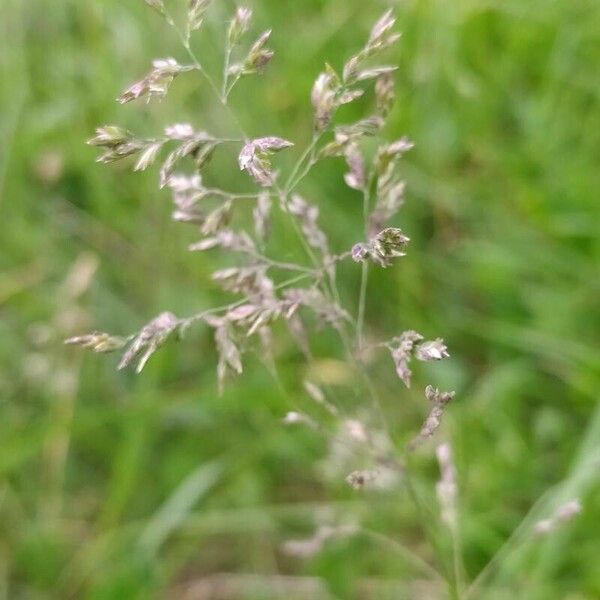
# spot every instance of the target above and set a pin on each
(271, 290)
(212, 210)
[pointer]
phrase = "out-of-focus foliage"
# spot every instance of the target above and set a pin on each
(114, 485)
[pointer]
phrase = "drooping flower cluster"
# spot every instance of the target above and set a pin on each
(117, 142)
(381, 249)
(213, 211)
(156, 82)
(239, 25)
(254, 158)
(196, 12)
(258, 57)
(410, 343)
(381, 38)
(360, 451)
(439, 401)
(98, 342)
(149, 339)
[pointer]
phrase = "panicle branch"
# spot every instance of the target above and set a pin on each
(310, 298)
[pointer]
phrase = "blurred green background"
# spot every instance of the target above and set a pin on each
(114, 485)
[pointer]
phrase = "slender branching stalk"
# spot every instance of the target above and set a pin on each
(357, 438)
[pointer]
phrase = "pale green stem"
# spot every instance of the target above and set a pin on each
(365, 270)
(457, 561)
(294, 179)
(224, 92)
(186, 44)
(232, 85)
(411, 557)
(520, 535)
(299, 233)
(362, 303)
(211, 311)
(282, 265)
